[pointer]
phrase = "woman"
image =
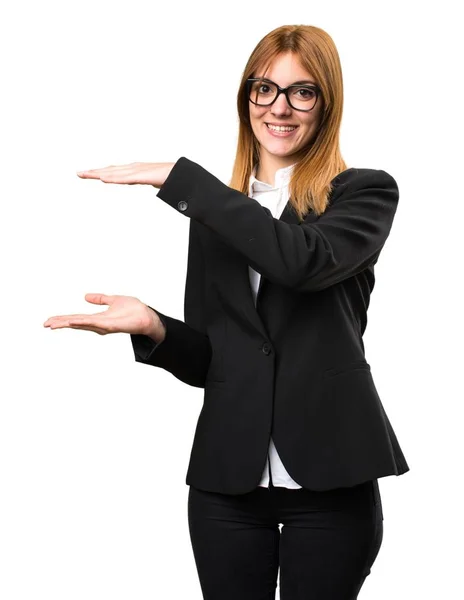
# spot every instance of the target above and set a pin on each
(292, 432)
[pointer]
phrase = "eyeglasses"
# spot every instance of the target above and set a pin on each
(264, 92)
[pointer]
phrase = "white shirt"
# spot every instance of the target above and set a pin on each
(274, 198)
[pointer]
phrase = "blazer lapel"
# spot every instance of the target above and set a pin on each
(235, 288)
(253, 313)
(288, 216)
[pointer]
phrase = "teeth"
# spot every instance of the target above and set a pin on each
(279, 128)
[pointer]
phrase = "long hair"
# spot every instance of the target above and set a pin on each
(310, 182)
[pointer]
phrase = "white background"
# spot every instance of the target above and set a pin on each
(94, 447)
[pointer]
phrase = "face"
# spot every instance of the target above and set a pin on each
(279, 149)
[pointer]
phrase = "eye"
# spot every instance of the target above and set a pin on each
(265, 88)
(305, 93)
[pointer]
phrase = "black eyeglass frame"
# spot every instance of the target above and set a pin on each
(280, 90)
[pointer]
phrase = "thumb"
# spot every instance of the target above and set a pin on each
(99, 299)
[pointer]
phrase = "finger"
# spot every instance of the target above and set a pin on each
(97, 321)
(55, 324)
(112, 177)
(129, 174)
(60, 319)
(84, 327)
(95, 173)
(82, 323)
(99, 299)
(133, 173)
(112, 168)
(65, 319)
(143, 175)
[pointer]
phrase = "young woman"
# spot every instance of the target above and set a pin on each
(292, 432)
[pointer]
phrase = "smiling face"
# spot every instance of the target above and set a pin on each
(276, 149)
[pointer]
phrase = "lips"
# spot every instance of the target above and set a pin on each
(275, 133)
(282, 125)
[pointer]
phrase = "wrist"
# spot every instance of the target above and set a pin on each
(156, 329)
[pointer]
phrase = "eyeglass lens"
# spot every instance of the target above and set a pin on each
(300, 96)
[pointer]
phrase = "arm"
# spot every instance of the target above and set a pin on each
(307, 257)
(185, 350)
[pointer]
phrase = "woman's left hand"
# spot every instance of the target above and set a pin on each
(145, 173)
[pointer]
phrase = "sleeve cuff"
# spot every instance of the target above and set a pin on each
(144, 346)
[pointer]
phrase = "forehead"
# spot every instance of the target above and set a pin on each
(285, 69)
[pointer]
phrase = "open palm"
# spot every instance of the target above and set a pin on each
(126, 314)
(137, 172)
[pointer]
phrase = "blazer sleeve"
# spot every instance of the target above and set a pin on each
(307, 257)
(186, 350)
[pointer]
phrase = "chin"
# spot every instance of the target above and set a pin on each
(283, 154)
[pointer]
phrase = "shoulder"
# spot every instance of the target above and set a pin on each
(355, 176)
(358, 178)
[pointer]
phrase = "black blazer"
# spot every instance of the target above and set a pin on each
(294, 366)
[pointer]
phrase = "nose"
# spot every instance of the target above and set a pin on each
(281, 106)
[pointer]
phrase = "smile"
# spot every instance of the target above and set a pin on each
(281, 127)
(279, 131)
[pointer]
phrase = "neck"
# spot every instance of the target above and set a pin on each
(269, 165)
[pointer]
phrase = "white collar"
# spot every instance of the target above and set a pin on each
(282, 177)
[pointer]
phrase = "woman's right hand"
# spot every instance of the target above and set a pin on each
(126, 314)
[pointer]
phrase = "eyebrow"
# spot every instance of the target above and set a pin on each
(303, 81)
(295, 82)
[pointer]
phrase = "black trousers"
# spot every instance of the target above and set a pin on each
(325, 548)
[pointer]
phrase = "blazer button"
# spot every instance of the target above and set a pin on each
(266, 348)
(182, 205)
